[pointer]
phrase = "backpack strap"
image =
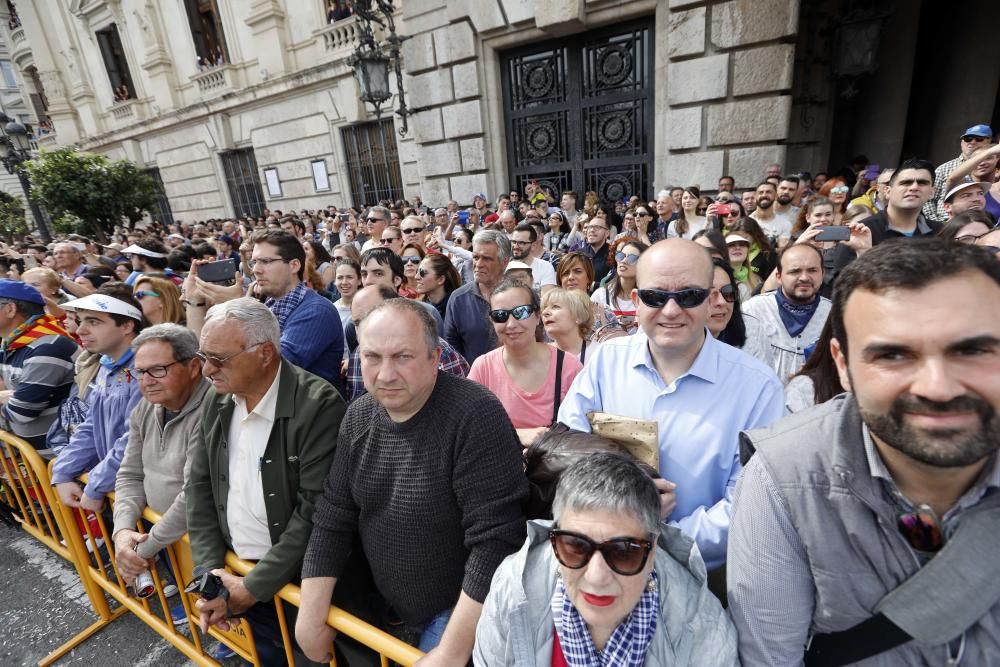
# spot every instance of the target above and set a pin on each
(558, 397)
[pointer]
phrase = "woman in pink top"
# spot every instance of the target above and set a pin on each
(522, 371)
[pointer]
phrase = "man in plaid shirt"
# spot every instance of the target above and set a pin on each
(973, 138)
(363, 303)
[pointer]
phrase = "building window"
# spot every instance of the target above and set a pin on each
(373, 162)
(244, 182)
(7, 70)
(160, 210)
(115, 63)
(206, 30)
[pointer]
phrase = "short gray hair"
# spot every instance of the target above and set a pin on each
(611, 482)
(428, 324)
(258, 323)
(497, 238)
(181, 339)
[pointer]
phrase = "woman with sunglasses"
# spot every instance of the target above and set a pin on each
(605, 583)
(726, 320)
(642, 220)
(522, 372)
(836, 191)
(616, 294)
(160, 299)
(411, 254)
(437, 278)
(556, 240)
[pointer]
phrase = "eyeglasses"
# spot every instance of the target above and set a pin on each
(839, 190)
(144, 293)
(413, 230)
(691, 297)
(265, 261)
(970, 239)
(728, 293)
(388, 241)
(423, 273)
(628, 259)
(158, 372)
(972, 138)
(643, 214)
(922, 529)
(216, 360)
(411, 259)
(520, 243)
(341, 260)
(374, 220)
(501, 315)
(624, 555)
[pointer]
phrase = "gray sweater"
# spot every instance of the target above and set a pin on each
(155, 468)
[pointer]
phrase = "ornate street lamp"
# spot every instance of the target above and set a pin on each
(15, 150)
(372, 61)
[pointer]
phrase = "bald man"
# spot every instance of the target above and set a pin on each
(792, 316)
(701, 393)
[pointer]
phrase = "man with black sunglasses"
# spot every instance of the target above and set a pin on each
(852, 500)
(700, 391)
(972, 138)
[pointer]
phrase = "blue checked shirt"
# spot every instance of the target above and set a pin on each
(451, 362)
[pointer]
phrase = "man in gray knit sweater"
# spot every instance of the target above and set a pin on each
(428, 471)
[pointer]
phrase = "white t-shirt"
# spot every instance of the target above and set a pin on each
(693, 228)
(543, 273)
(778, 227)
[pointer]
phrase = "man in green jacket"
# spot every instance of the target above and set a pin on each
(268, 435)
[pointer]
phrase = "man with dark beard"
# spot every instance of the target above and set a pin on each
(776, 227)
(843, 503)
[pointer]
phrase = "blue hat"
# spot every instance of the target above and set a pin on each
(979, 131)
(15, 289)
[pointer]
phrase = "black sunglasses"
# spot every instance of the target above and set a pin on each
(969, 138)
(691, 297)
(628, 259)
(728, 293)
(423, 273)
(501, 315)
(411, 259)
(413, 230)
(625, 555)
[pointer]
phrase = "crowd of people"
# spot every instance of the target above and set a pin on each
(784, 403)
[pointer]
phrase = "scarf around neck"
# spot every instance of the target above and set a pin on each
(628, 643)
(31, 330)
(795, 316)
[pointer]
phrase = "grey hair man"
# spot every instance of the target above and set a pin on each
(466, 325)
(404, 452)
(508, 221)
(266, 448)
(164, 432)
(377, 220)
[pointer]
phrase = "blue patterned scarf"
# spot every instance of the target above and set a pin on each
(795, 316)
(628, 643)
(287, 304)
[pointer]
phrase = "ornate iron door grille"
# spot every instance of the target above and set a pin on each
(373, 162)
(579, 112)
(244, 182)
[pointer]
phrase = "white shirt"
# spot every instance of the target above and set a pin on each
(542, 273)
(248, 436)
(778, 227)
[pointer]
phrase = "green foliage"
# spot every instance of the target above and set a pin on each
(98, 191)
(12, 222)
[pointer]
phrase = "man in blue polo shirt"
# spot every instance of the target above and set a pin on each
(699, 391)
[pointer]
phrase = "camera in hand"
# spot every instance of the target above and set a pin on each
(207, 585)
(222, 272)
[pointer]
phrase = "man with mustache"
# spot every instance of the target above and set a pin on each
(776, 226)
(793, 315)
(843, 503)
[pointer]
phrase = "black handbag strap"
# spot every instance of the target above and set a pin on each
(872, 636)
(558, 397)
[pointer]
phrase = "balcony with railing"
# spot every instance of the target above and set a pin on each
(340, 38)
(216, 80)
(20, 50)
(123, 110)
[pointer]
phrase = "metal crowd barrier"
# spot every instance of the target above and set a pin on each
(84, 539)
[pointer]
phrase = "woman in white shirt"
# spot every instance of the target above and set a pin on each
(616, 294)
(348, 281)
(689, 223)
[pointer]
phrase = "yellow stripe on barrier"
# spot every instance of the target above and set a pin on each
(27, 490)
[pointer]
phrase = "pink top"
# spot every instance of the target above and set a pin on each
(525, 409)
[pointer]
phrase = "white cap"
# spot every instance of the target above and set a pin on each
(517, 264)
(102, 303)
(736, 238)
(966, 184)
(139, 250)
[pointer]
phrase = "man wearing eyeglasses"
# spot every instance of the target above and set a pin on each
(164, 430)
(878, 490)
(973, 138)
(267, 442)
(700, 391)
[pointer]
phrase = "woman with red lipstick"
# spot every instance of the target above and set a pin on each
(614, 583)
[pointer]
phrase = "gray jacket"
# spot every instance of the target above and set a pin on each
(155, 468)
(840, 514)
(516, 625)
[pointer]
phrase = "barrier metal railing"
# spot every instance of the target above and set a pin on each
(84, 539)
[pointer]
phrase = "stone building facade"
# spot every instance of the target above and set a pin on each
(243, 104)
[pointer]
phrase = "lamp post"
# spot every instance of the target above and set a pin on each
(372, 61)
(15, 150)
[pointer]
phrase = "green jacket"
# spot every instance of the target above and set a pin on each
(297, 458)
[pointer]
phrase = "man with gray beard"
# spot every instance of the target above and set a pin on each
(844, 503)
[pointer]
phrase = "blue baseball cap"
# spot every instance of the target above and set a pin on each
(15, 289)
(979, 131)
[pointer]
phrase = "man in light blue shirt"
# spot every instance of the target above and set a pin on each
(700, 392)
